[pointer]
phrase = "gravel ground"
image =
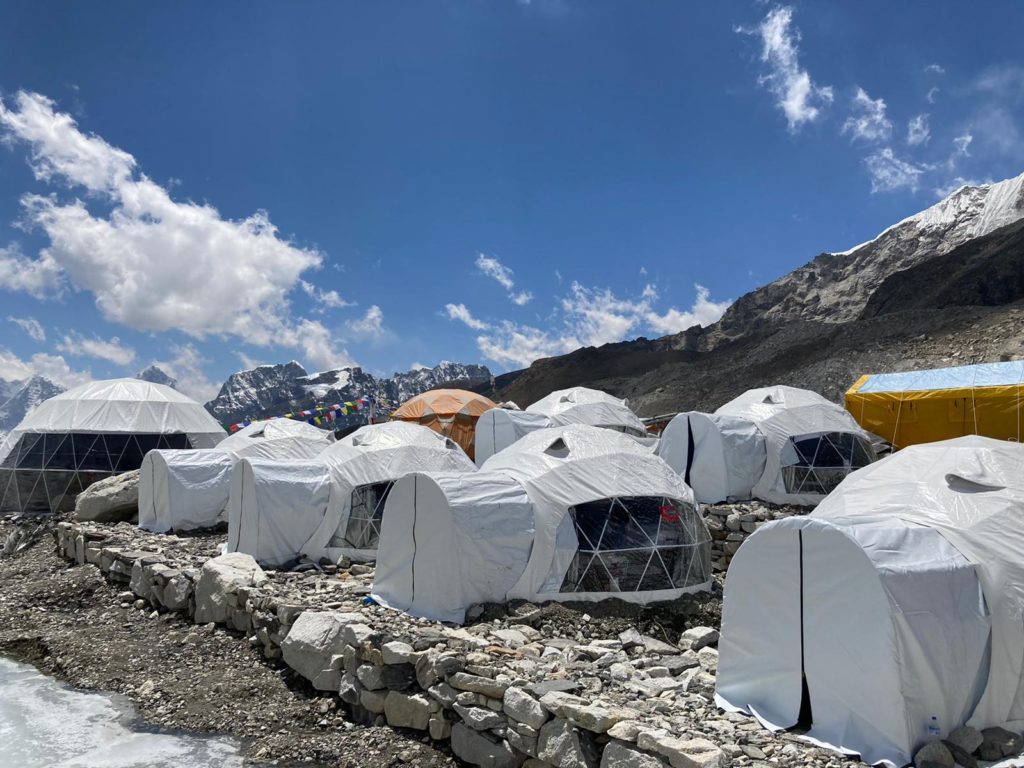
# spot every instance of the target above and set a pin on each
(71, 624)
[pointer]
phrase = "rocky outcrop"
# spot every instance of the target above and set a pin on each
(110, 500)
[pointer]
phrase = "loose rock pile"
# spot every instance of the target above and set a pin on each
(732, 524)
(503, 692)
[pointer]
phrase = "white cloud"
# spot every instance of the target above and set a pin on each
(36, 277)
(930, 96)
(936, 69)
(248, 362)
(918, 131)
(1005, 81)
(588, 317)
(797, 95)
(30, 326)
(111, 350)
(186, 365)
(324, 299)
(497, 271)
(890, 173)
(462, 314)
(868, 122)
(945, 190)
(150, 262)
(961, 143)
(419, 367)
(369, 326)
(53, 367)
(321, 347)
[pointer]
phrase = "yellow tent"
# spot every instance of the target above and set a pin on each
(925, 406)
(452, 412)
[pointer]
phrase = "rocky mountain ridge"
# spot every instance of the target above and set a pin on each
(157, 375)
(270, 390)
(24, 399)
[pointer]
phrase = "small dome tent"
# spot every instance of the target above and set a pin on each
(363, 466)
(719, 457)
(184, 490)
(811, 443)
(449, 412)
(580, 405)
(498, 428)
(897, 600)
(93, 431)
(449, 540)
(274, 508)
(612, 520)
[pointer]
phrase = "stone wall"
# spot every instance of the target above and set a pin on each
(731, 524)
(501, 695)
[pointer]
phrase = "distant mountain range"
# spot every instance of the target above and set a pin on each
(271, 390)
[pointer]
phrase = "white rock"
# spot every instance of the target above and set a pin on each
(110, 500)
(696, 638)
(315, 647)
(523, 708)
(404, 711)
(562, 744)
(619, 755)
(398, 653)
(219, 577)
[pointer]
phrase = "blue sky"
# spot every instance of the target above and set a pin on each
(206, 185)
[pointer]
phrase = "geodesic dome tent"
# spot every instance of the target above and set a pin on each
(612, 520)
(811, 443)
(449, 540)
(580, 405)
(719, 457)
(275, 506)
(363, 466)
(449, 412)
(897, 600)
(93, 431)
(184, 490)
(498, 428)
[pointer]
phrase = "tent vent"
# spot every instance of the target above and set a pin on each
(451, 445)
(558, 448)
(962, 484)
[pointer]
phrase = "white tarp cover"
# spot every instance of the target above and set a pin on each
(1010, 373)
(894, 649)
(449, 540)
(183, 490)
(128, 406)
(278, 439)
(580, 405)
(605, 475)
(375, 455)
(799, 426)
(498, 428)
(275, 506)
(720, 457)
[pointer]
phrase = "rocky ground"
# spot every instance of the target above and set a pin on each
(71, 624)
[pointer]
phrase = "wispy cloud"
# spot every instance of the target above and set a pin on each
(370, 326)
(796, 93)
(186, 364)
(918, 130)
(498, 272)
(890, 173)
(868, 121)
(322, 299)
(935, 69)
(111, 350)
(30, 326)
(53, 367)
(930, 96)
(461, 313)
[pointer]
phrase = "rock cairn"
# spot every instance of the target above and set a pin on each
(501, 693)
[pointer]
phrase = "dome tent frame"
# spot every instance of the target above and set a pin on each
(92, 431)
(582, 405)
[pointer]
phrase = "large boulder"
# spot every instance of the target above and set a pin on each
(219, 580)
(110, 500)
(315, 647)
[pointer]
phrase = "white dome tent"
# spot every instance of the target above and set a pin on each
(719, 457)
(184, 490)
(580, 405)
(498, 428)
(363, 466)
(898, 600)
(93, 431)
(612, 520)
(449, 540)
(811, 443)
(274, 508)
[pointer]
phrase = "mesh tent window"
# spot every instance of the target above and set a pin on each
(817, 463)
(637, 544)
(45, 472)
(367, 511)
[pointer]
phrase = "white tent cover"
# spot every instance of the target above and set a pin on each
(811, 443)
(183, 490)
(362, 466)
(128, 406)
(649, 543)
(905, 566)
(580, 405)
(498, 428)
(284, 439)
(450, 540)
(720, 457)
(275, 506)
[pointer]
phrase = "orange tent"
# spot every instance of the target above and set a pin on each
(452, 412)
